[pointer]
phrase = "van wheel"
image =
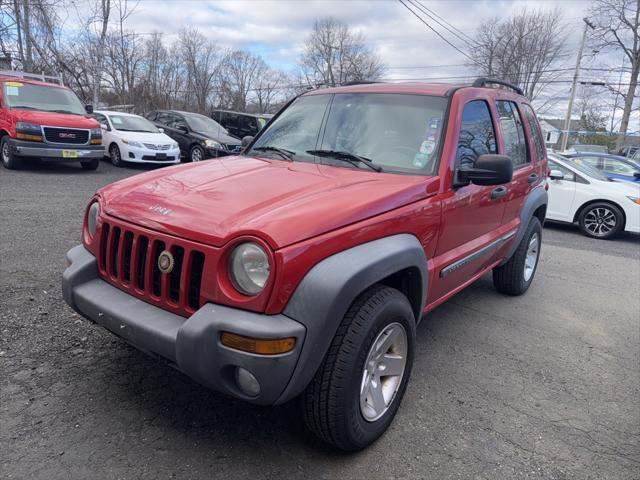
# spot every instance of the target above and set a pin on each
(196, 154)
(358, 388)
(601, 220)
(9, 160)
(91, 164)
(515, 276)
(114, 155)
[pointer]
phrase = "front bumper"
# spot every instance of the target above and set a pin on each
(66, 153)
(192, 345)
(146, 155)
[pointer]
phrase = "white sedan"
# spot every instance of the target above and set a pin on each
(601, 207)
(132, 138)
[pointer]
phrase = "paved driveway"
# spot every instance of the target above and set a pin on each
(541, 386)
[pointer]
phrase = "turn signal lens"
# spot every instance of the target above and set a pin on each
(635, 199)
(96, 141)
(28, 136)
(258, 345)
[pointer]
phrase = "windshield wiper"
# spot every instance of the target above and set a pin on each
(24, 107)
(283, 152)
(352, 158)
(64, 111)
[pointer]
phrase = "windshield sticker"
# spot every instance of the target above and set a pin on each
(11, 90)
(116, 120)
(14, 84)
(428, 145)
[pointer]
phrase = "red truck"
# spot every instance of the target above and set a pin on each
(302, 267)
(47, 121)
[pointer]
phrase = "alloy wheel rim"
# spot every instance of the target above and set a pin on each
(600, 221)
(115, 156)
(5, 153)
(383, 371)
(531, 259)
(196, 155)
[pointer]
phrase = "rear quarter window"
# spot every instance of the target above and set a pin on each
(512, 129)
(534, 126)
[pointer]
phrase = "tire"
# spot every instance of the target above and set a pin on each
(91, 164)
(602, 220)
(196, 154)
(9, 160)
(333, 407)
(114, 155)
(515, 276)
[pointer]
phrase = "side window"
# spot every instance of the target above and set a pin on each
(102, 119)
(477, 134)
(534, 126)
(512, 129)
(569, 176)
(177, 122)
(163, 118)
(594, 162)
(152, 116)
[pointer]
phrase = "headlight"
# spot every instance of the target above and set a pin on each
(635, 200)
(174, 145)
(249, 268)
(28, 128)
(131, 143)
(92, 218)
(212, 144)
(96, 133)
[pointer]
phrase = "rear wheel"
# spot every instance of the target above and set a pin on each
(196, 154)
(9, 160)
(358, 388)
(515, 276)
(600, 220)
(90, 164)
(114, 155)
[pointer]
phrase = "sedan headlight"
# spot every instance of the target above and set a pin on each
(132, 143)
(174, 145)
(212, 144)
(92, 218)
(635, 200)
(249, 268)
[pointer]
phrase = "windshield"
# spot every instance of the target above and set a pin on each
(200, 123)
(126, 123)
(27, 96)
(397, 132)
(587, 170)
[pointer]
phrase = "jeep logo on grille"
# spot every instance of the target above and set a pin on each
(66, 135)
(165, 262)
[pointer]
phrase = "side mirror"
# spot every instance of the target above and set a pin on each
(182, 129)
(488, 169)
(636, 175)
(161, 130)
(556, 175)
(88, 109)
(104, 126)
(246, 140)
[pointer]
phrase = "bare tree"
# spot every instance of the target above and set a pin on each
(618, 28)
(201, 58)
(522, 49)
(240, 73)
(271, 89)
(334, 54)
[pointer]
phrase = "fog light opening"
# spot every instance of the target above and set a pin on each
(247, 383)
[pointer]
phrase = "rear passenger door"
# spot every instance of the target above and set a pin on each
(516, 146)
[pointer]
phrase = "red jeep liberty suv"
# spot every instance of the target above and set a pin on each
(301, 267)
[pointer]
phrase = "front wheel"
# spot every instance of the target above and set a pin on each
(196, 154)
(358, 388)
(114, 155)
(515, 276)
(91, 164)
(600, 220)
(9, 160)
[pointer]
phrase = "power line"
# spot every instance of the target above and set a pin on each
(438, 33)
(447, 26)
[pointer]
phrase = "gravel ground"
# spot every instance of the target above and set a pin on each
(541, 386)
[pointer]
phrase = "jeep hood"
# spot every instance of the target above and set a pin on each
(281, 202)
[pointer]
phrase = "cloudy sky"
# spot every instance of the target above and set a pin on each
(277, 30)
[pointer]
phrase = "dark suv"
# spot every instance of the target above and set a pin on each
(302, 267)
(241, 124)
(198, 136)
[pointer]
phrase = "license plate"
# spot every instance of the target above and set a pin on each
(161, 156)
(69, 153)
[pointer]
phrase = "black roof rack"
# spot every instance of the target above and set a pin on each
(484, 81)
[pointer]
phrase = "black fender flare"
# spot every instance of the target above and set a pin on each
(537, 198)
(327, 291)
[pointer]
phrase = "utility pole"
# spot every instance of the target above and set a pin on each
(567, 120)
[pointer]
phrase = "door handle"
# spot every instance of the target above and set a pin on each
(499, 193)
(532, 178)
